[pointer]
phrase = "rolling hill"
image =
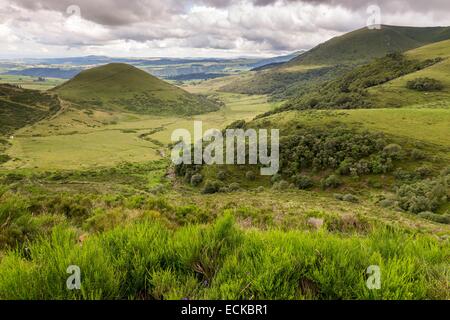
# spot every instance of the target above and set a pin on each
(365, 44)
(122, 87)
(334, 58)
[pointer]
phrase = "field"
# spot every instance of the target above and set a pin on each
(79, 140)
(31, 82)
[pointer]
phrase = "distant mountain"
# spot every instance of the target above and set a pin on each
(365, 44)
(46, 72)
(123, 87)
(272, 62)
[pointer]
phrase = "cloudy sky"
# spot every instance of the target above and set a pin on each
(193, 28)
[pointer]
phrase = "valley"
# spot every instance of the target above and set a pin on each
(364, 121)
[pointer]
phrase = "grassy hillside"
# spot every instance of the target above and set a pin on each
(396, 93)
(333, 59)
(20, 107)
(365, 44)
(123, 87)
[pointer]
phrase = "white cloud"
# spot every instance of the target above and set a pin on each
(194, 28)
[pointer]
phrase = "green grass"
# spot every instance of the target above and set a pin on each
(429, 125)
(78, 139)
(27, 82)
(146, 260)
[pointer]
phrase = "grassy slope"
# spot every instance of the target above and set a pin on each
(319, 64)
(124, 87)
(20, 107)
(395, 93)
(365, 44)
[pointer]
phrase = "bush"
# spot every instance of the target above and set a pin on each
(426, 195)
(234, 186)
(221, 175)
(196, 179)
(417, 154)
(281, 185)
(250, 175)
(393, 150)
(439, 218)
(16, 222)
(331, 181)
(350, 198)
(303, 182)
(211, 186)
(425, 84)
(423, 171)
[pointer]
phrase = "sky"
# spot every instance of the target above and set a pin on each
(195, 28)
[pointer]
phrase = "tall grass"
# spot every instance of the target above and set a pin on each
(147, 260)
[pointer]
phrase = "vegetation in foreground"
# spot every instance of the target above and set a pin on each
(149, 257)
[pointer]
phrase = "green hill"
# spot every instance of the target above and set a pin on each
(365, 44)
(122, 87)
(334, 58)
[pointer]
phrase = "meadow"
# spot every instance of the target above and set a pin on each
(76, 139)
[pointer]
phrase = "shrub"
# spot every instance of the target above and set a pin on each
(417, 154)
(16, 222)
(387, 203)
(211, 186)
(331, 181)
(303, 182)
(425, 84)
(221, 175)
(393, 150)
(234, 186)
(196, 179)
(350, 198)
(426, 195)
(423, 171)
(439, 218)
(250, 175)
(281, 185)
(260, 189)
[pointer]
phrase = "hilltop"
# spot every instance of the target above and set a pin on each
(365, 44)
(122, 87)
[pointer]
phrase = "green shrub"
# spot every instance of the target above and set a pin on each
(234, 186)
(417, 154)
(196, 179)
(250, 175)
(350, 198)
(303, 182)
(331, 181)
(211, 186)
(16, 222)
(426, 195)
(425, 84)
(439, 218)
(393, 150)
(221, 175)
(281, 185)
